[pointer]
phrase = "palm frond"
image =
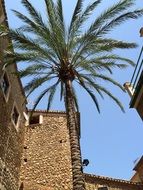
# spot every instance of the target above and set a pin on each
(33, 26)
(91, 94)
(33, 70)
(42, 94)
(76, 14)
(116, 58)
(119, 20)
(61, 17)
(52, 92)
(33, 13)
(111, 96)
(35, 83)
(92, 84)
(51, 13)
(109, 14)
(106, 78)
(74, 31)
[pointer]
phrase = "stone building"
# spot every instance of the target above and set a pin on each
(94, 182)
(35, 154)
(12, 107)
(46, 161)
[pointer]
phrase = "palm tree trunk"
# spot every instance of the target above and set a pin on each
(78, 179)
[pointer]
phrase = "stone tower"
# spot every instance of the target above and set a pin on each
(12, 119)
(46, 162)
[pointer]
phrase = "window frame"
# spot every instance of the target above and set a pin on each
(6, 96)
(16, 125)
(38, 117)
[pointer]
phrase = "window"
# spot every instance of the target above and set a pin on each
(36, 119)
(5, 85)
(15, 116)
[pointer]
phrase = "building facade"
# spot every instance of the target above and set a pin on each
(46, 161)
(135, 86)
(12, 106)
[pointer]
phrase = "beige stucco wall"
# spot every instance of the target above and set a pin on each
(47, 150)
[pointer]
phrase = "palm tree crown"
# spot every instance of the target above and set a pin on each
(60, 52)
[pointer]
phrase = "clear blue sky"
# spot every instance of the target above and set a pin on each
(112, 140)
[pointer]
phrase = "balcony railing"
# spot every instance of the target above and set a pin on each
(138, 70)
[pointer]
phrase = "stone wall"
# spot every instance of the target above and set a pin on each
(138, 176)
(11, 138)
(91, 186)
(96, 182)
(46, 157)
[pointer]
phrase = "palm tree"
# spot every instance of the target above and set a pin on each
(58, 55)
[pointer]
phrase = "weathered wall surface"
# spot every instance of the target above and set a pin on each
(138, 176)
(46, 157)
(95, 182)
(10, 138)
(91, 186)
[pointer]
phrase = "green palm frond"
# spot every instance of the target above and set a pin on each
(51, 13)
(42, 94)
(56, 26)
(119, 20)
(110, 13)
(33, 13)
(76, 14)
(30, 25)
(116, 58)
(91, 94)
(61, 17)
(101, 89)
(36, 83)
(106, 78)
(111, 96)
(92, 84)
(77, 23)
(94, 46)
(36, 69)
(52, 92)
